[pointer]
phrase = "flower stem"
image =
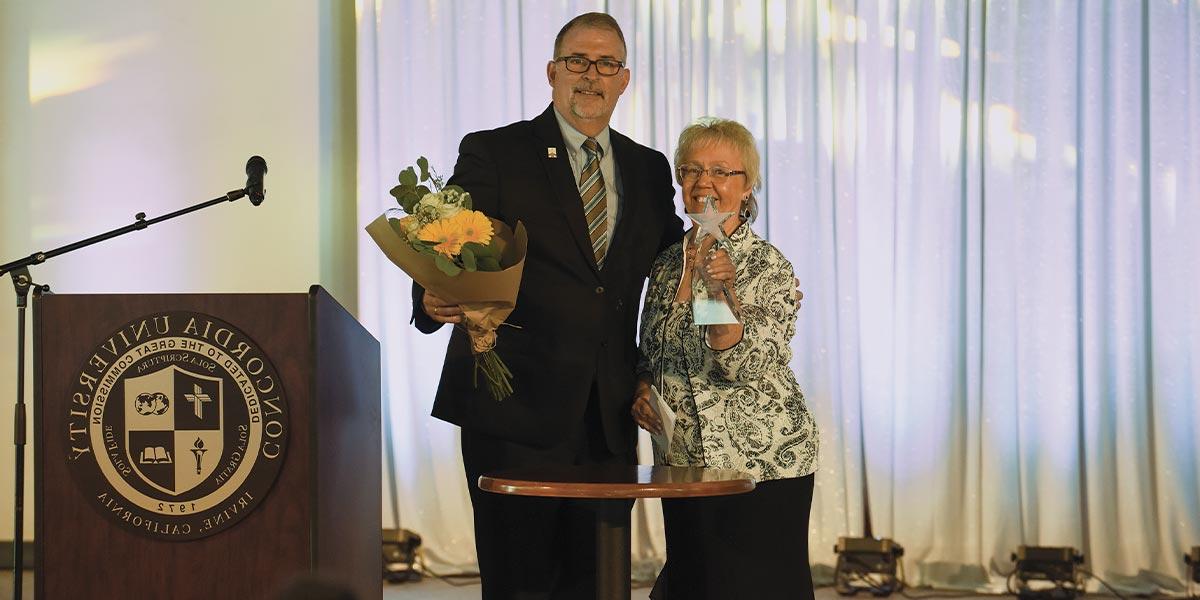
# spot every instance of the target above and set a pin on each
(499, 378)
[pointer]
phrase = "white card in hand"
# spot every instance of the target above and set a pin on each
(667, 417)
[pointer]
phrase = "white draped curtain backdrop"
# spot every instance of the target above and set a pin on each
(993, 210)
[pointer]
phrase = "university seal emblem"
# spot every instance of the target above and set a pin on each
(177, 426)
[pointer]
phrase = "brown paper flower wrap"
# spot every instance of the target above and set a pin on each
(480, 277)
(486, 297)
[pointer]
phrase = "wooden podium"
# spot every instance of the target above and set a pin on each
(204, 446)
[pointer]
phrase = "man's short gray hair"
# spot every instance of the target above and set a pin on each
(596, 20)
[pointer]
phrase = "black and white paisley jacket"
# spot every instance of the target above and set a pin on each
(739, 408)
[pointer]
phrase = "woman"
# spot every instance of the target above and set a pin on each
(736, 400)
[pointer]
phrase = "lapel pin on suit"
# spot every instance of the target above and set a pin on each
(551, 152)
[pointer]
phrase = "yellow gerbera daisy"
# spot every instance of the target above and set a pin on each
(474, 226)
(448, 237)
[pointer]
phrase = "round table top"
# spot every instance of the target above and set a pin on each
(616, 481)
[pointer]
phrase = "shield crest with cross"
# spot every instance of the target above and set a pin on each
(173, 427)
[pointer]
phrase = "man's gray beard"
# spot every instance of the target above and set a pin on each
(579, 114)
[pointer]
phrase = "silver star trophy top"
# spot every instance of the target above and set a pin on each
(709, 221)
(706, 309)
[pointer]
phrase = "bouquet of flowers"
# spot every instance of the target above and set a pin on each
(459, 254)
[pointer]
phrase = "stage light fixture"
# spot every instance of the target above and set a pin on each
(868, 564)
(1057, 566)
(400, 555)
(1192, 559)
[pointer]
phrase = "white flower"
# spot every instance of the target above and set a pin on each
(453, 196)
(435, 205)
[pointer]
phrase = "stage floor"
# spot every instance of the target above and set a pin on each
(434, 589)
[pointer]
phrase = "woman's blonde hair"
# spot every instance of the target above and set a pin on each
(706, 131)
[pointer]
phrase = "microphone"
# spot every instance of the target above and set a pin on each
(255, 167)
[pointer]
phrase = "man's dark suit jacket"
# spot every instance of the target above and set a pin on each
(574, 326)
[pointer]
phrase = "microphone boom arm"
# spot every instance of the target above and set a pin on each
(138, 224)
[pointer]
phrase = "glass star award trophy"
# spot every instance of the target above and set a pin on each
(711, 302)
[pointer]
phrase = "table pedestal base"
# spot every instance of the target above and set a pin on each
(612, 549)
(612, 488)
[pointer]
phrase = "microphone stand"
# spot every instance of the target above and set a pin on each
(22, 282)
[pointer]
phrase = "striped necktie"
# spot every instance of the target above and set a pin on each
(595, 206)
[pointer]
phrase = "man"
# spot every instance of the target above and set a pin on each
(598, 208)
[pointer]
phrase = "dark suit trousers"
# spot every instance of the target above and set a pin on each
(532, 547)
